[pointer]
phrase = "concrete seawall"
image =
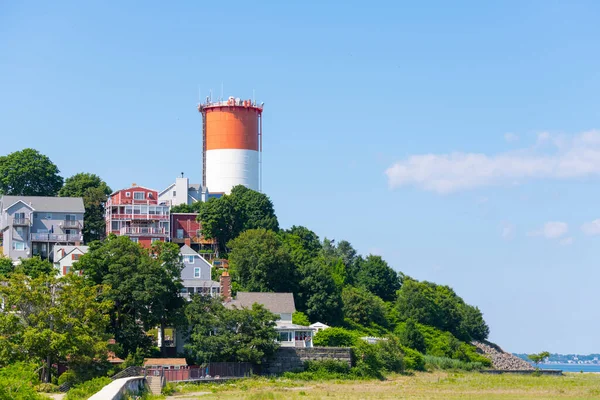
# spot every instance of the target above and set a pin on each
(117, 388)
(292, 358)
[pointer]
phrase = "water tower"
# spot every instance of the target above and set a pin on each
(231, 144)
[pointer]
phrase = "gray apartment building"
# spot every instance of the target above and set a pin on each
(33, 225)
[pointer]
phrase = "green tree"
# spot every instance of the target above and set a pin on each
(29, 173)
(310, 240)
(538, 358)
(17, 382)
(187, 208)
(226, 217)
(411, 336)
(318, 296)
(221, 334)
(259, 263)
(6, 266)
(376, 276)
(142, 288)
(35, 267)
(473, 323)
(167, 304)
(52, 320)
(94, 192)
(336, 337)
(363, 307)
(299, 318)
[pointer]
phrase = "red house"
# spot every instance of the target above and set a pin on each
(185, 229)
(137, 213)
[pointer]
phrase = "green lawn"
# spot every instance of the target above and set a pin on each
(435, 386)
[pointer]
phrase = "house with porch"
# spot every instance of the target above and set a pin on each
(33, 225)
(281, 304)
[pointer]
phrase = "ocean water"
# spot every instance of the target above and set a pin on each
(573, 367)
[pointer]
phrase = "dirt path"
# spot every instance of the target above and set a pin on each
(56, 396)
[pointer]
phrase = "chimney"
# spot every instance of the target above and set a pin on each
(187, 241)
(226, 286)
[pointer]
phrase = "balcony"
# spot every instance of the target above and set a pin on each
(195, 237)
(56, 237)
(70, 224)
(143, 231)
(150, 217)
(21, 222)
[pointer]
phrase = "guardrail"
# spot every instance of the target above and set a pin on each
(56, 237)
(209, 371)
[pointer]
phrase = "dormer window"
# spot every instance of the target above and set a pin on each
(138, 195)
(127, 194)
(149, 195)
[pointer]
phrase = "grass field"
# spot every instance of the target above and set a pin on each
(434, 386)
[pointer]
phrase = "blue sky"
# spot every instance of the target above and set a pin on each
(456, 140)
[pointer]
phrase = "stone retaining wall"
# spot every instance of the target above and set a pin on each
(291, 358)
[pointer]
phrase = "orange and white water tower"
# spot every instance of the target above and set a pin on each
(231, 145)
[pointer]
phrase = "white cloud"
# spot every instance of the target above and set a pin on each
(552, 230)
(567, 241)
(511, 137)
(572, 157)
(591, 228)
(507, 230)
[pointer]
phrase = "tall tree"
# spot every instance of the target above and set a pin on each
(259, 262)
(378, 277)
(166, 303)
(310, 240)
(50, 320)
(363, 307)
(94, 192)
(220, 334)
(228, 216)
(6, 266)
(319, 296)
(142, 287)
(29, 173)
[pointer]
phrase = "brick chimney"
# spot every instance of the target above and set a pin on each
(187, 241)
(225, 286)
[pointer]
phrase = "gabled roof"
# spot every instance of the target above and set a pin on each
(48, 204)
(278, 303)
(166, 189)
(133, 188)
(68, 250)
(186, 250)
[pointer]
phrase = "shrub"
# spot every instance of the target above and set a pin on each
(368, 363)
(46, 388)
(322, 370)
(168, 389)
(433, 362)
(17, 382)
(84, 390)
(67, 376)
(410, 336)
(335, 337)
(413, 360)
(390, 354)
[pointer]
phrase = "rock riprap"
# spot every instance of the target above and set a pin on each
(502, 360)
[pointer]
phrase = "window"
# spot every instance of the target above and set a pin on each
(70, 217)
(184, 290)
(34, 215)
(196, 272)
(20, 215)
(285, 336)
(190, 259)
(75, 257)
(174, 193)
(179, 233)
(114, 226)
(138, 195)
(149, 195)
(134, 240)
(155, 240)
(20, 246)
(127, 194)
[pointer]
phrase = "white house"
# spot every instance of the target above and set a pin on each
(281, 304)
(319, 326)
(66, 256)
